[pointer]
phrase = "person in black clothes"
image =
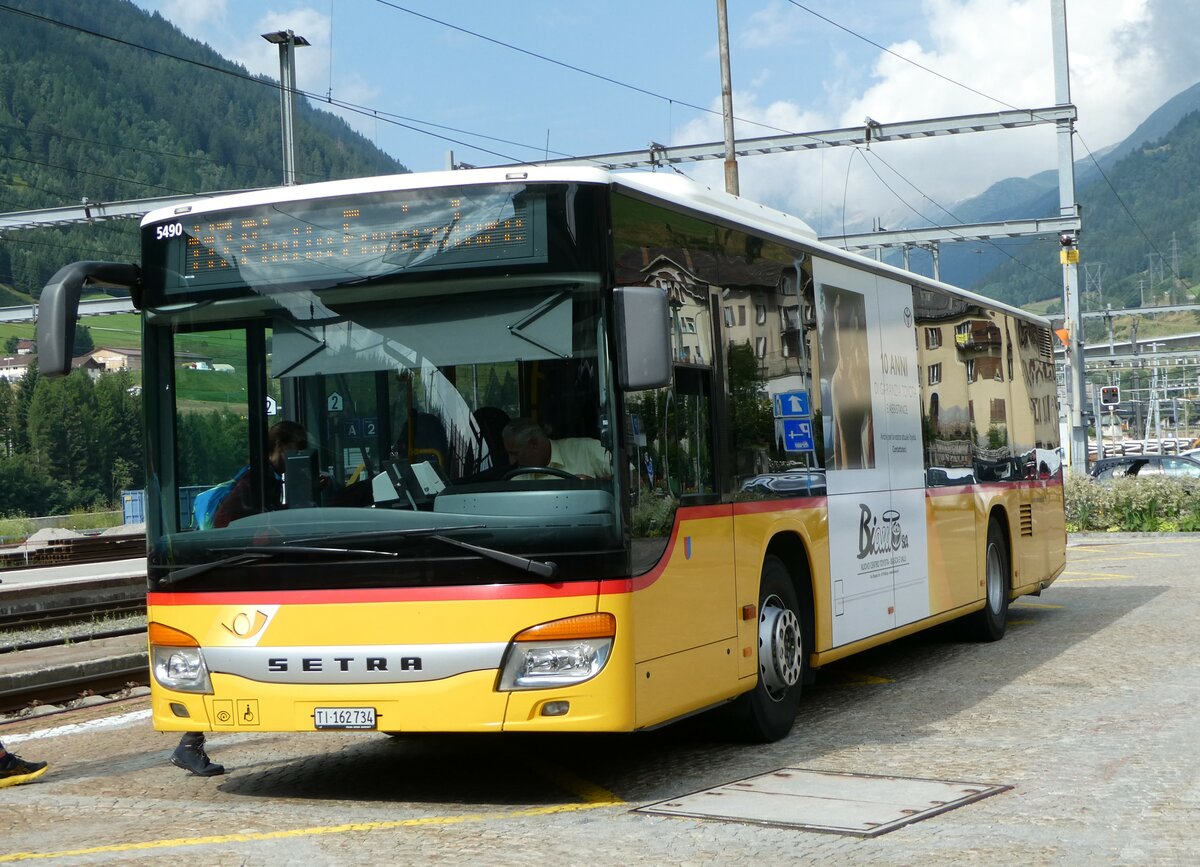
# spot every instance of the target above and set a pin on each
(14, 770)
(242, 501)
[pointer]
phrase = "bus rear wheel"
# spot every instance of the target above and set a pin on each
(989, 624)
(767, 712)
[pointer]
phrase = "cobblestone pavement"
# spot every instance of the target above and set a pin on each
(1088, 709)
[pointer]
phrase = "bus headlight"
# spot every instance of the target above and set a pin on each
(177, 661)
(559, 653)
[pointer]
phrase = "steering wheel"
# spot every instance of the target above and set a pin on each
(528, 471)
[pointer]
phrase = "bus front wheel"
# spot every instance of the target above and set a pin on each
(767, 712)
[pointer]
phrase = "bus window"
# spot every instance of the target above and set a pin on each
(211, 406)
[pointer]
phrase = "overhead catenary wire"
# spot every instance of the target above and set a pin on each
(867, 155)
(988, 96)
(412, 123)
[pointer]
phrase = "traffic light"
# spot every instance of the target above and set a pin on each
(1110, 395)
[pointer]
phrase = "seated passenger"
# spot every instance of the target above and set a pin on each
(242, 501)
(528, 446)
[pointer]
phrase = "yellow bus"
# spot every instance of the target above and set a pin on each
(558, 450)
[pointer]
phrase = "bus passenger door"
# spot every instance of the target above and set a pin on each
(684, 624)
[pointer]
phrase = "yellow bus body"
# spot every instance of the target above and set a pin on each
(686, 636)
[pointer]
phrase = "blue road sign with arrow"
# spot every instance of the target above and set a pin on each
(791, 404)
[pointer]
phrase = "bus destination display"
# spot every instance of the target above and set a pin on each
(351, 238)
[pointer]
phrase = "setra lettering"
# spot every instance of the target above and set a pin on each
(317, 664)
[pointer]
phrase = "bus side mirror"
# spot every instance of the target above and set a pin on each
(643, 337)
(58, 308)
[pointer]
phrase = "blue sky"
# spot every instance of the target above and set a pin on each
(645, 70)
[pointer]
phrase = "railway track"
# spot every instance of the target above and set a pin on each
(68, 614)
(71, 551)
(66, 694)
(55, 650)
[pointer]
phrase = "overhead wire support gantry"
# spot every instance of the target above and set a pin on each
(658, 156)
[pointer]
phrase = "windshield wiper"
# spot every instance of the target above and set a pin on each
(546, 570)
(265, 552)
(381, 535)
(273, 550)
(200, 568)
(542, 569)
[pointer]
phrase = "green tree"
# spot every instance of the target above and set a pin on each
(18, 410)
(7, 396)
(83, 341)
(212, 446)
(63, 437)
(120, 452)
(25, 491)
(10, 345)
(751, 424)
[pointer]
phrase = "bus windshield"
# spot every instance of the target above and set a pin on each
(366, 421)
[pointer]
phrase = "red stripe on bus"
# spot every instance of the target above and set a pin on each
(352, 595)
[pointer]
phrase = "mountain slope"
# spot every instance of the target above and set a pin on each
(1037, 196)
(83, 116)
(1156, 214)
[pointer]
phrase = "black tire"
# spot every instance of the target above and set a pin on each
(989, 623)
(766, 713)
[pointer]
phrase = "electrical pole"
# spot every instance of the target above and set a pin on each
(1067, 207)
(287, 42)
(731, 169)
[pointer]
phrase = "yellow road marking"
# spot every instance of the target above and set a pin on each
(1136, 555)
(1019, 622)
(1096, 576)
(863, 679)
(305, 832)
(1104, 575)
(590, 792)
(1024, 604)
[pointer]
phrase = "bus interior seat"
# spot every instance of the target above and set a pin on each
(427, 442)
(491, 421)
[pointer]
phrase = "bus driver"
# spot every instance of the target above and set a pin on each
(528, 446)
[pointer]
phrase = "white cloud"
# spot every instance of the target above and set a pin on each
(260, 57)
(192, 17)
(776, 24)
(1127, 57)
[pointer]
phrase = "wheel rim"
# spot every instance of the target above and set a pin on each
(995, 579)
(780, 649)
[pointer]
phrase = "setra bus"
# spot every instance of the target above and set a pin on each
(806, 454)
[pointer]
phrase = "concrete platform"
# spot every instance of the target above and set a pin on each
(36, 589)
(53, 666)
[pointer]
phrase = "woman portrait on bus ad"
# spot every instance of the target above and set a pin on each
(846, 380)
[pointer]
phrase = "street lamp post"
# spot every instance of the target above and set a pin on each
(287, 42)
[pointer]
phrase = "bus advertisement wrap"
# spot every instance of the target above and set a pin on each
(879, 575)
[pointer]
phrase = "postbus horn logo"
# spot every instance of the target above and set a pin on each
(243, 627)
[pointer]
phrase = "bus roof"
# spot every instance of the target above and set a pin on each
(670, 188)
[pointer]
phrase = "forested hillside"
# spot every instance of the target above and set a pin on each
(1159, 200)
(83, 116)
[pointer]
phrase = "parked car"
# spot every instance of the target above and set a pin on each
(1140, 466)
(795, 483)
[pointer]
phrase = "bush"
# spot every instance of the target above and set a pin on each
(1153, 504)
(654, 515)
